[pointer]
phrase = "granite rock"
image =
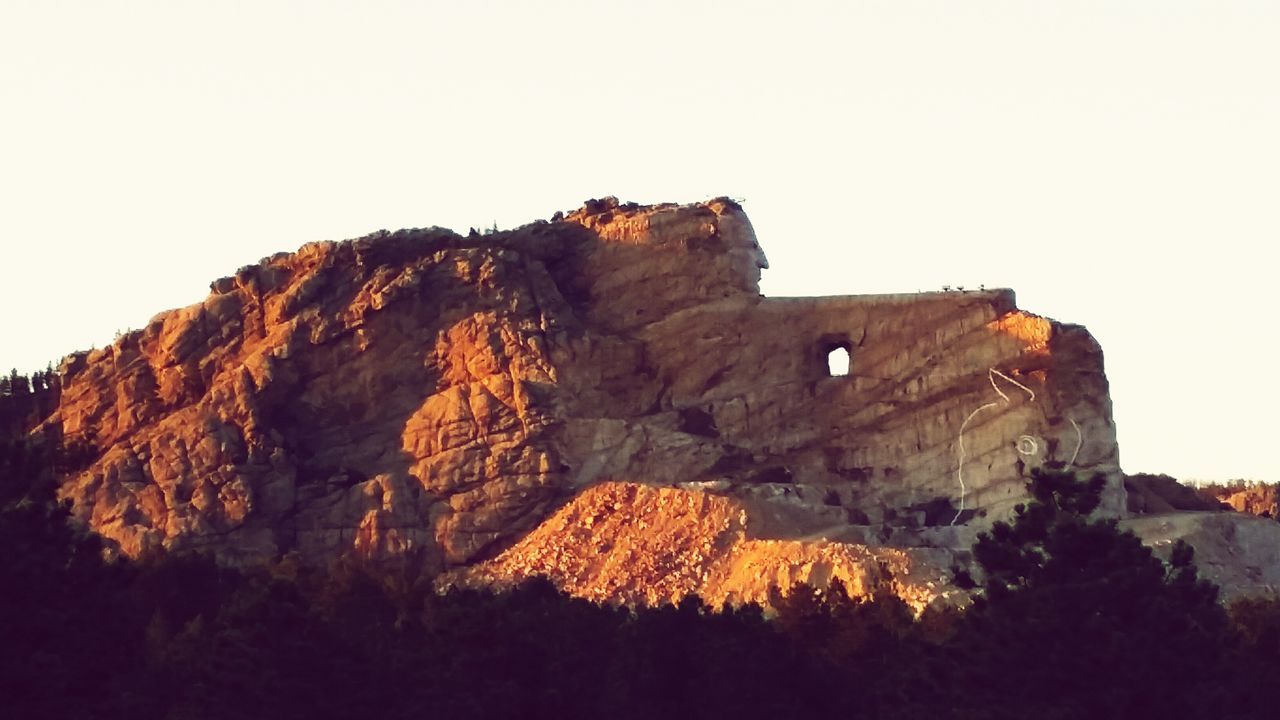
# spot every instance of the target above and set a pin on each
(420, 393)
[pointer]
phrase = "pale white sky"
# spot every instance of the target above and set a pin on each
(1117, 163)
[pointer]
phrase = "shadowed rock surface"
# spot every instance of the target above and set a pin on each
(1149, 494)
(424, 394)
(1238, 552)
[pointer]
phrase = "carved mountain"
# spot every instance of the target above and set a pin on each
(468, 400)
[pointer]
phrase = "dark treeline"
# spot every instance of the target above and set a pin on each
(1075, 620)
(33, 451)
(25, 400)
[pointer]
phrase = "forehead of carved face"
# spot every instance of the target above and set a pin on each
(746, 256)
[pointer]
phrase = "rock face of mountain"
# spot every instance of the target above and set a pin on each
(1238, 552)
(1255, 498)
(425, 393)
(1150, 494)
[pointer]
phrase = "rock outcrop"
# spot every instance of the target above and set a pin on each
(1239, 553)
(428, 394)
(1255, 498)
(1149, 494)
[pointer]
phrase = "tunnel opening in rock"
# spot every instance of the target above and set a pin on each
(838, 362)
(837, 354)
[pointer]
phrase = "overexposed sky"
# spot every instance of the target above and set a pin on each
(1117, 163)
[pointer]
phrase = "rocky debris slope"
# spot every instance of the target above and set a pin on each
(624, 542)
(1239, 553)
(1236, 543)
(425, 394)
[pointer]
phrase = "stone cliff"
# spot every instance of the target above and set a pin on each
(1255, 498)
(469, 400)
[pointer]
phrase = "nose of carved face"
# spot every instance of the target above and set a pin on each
(757, 254)
(749, 260)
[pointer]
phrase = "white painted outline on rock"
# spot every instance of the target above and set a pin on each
(1079, 442)
(991, 377)
(1033, 446)
(1027, 445)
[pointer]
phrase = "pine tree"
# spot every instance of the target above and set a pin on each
(1079, 619)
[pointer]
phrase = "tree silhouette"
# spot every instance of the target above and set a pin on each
(1078, 618)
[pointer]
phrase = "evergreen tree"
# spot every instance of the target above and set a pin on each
(67, 631)
(1079, 619)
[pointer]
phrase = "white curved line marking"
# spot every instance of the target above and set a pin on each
(1027, 445)
(992, 372)
(1079, 442)
(960, 469)
(991, 377)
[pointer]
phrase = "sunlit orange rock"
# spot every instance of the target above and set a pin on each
(639, 544)
(425, 394)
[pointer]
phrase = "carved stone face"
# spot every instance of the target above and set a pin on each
(746, 256)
